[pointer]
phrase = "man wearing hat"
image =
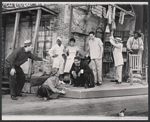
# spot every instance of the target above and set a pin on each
(118, 58)
(57, 52)
(135, 45)
(13, 70)
(51, 86)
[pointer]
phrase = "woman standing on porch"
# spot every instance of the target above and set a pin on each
(71, 51)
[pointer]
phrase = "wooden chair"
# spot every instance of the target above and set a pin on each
(134, 63)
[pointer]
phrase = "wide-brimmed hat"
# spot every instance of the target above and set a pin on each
(138, 32)
(27, 42)
(54, 71)
(118, 39)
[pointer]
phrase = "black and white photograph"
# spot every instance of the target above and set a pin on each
(74, 60)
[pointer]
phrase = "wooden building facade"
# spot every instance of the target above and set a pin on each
(43, 23)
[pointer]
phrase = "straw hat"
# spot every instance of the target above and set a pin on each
(118, 39)
(27, 42)
(54, 71)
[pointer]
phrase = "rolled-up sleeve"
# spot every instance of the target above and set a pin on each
(36, 58)
(141, 46)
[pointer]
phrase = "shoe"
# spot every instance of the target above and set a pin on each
(85, 86)
(112, 80)
(22, 95)
(13, 97)
(118, 82)
(99, 84)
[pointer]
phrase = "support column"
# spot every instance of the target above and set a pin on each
(15, 29)
(70, 25)
(34, 42)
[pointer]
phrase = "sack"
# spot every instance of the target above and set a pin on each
(135, 51)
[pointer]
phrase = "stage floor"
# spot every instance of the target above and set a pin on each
(107, 89)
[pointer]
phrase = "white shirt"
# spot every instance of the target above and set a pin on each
(57, 50)
(96, 47)
(135, 43)
(53, 83)
(117, 52)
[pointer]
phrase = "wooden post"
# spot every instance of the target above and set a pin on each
(146, 74)
(34, 42)
(131, 76)
(15, 29)
(71, 17)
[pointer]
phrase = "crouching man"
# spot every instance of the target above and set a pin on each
(118, 58)
(80, 73)
(13, 70)
(50, 89)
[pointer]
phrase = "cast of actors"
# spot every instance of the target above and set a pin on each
(80, 73)
(57, 52)
(51, 88)
(135, 45)
(96, 52)
(118, 58)
(71, 51)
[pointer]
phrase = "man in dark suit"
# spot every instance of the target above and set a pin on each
(80, 73)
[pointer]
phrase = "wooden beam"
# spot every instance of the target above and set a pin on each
(34, 42)
(71, 17)
(30, 9)
(123, 10)
(15, 29)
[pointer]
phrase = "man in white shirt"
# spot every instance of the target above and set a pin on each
(118, 58)
(57, 52)
(95, 47)
(135, 45)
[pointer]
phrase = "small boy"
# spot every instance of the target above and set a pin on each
(50, 88)
(118, 58)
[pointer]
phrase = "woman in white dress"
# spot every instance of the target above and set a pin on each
(71, 51)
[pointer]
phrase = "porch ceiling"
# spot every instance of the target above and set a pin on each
(31, 10)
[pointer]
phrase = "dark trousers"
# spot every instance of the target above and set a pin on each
(82, 80)
(16, 82)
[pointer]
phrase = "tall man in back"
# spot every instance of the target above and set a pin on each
(95, 47)
(13, 70)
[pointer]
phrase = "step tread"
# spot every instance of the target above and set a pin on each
(5, 82)
(4, 88)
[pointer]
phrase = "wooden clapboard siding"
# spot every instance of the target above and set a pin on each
(24, 33)
(3, 49)
(8, 41)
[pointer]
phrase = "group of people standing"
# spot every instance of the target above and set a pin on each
(80, 71)
(67, 60)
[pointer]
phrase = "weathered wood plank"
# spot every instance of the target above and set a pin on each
(34, 42)
(15, 29)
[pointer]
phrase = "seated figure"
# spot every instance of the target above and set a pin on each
(50, 88)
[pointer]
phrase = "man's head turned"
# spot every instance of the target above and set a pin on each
(28, 45)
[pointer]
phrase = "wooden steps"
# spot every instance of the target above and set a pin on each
(5, 86)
